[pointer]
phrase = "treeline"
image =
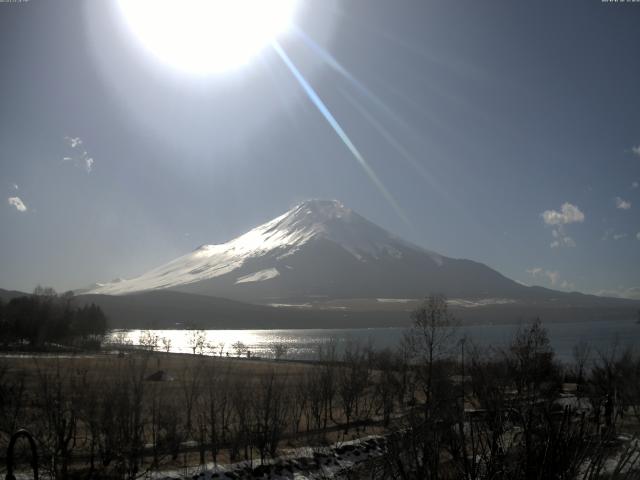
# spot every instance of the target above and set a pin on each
(446, 409)
(514, 412)
(46, 317)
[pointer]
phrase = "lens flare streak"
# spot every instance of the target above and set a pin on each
(317, 101)
(393, 142)
(357, 84)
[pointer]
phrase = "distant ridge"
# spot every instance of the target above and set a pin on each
(6, 295)
(170, 309)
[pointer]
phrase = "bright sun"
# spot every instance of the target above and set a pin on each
(207, 36)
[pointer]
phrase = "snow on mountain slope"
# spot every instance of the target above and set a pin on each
(260, 276)
(284, 236)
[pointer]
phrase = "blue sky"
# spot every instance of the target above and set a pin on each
(505, 132)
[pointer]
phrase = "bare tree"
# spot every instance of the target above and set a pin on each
(190, 381)
(218, 409)
(12, 398)
(610, 384)
(240, 348)
(417, 443)
(353, 379)
(279, 350)
(327, 356)
(241, 432)
(148, 340)
(270, 409)
(313, 390)
(299, 401)
(581, 357)
(166, 344)
(159, 431)
(122, 416)
(386, 385)
(58, 420)
(197, 341)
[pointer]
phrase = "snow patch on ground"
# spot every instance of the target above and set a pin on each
(299, 464)
(291, 305)
(483, 302)
(395, 300)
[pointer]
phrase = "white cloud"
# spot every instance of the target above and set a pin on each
(622, 204)
(638, 235)
(636, 150)
(18, 203)
(635, 184)
(618, 236)
(81, 160)
(16, 187)
(568, 213)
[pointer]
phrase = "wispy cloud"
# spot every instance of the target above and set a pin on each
(635, 184)
(638, 235)
(551, 276)
(567, 285)
(611, 233)
(636, 150)
(80, 157)
(73, 141)
(561, 239)
(622, 204)
(18, 203)
(16, 187)
(621, 292)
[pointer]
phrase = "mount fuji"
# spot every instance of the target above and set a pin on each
(322, 265)
(318, 250)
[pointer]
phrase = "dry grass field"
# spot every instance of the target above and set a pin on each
(183, 409)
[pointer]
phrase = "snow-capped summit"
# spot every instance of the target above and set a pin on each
(319, 248)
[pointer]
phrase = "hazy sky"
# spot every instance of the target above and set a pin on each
(506, 132)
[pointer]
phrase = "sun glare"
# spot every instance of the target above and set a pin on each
(207, 36)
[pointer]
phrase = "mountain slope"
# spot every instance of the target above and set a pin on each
(321, 250)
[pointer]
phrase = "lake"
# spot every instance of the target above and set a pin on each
(304, 343)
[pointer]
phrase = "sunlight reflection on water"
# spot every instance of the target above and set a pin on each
(304, 343)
